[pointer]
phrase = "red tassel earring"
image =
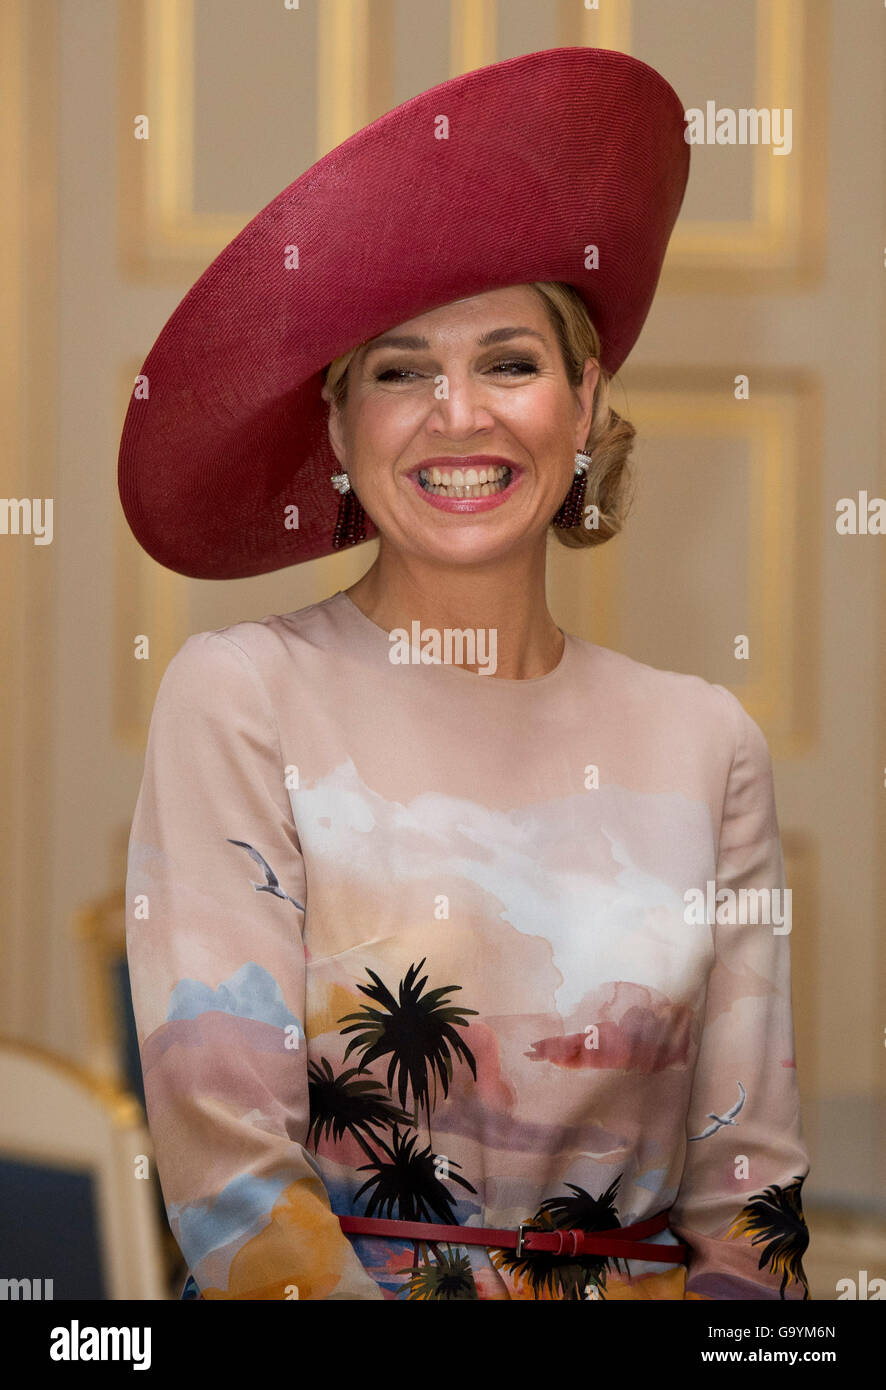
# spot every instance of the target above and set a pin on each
(571, 511)
(350, 525)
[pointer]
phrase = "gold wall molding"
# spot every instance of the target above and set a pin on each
(782, 245)
(149, 599)
(122, 1107)
(779, 424)
(12, 577)
(29, 78)
(161, 235)
(342, 70)
(609, 26)
(98, 930)
(473, 34)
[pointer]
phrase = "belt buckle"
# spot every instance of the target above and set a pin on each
(520, 1229)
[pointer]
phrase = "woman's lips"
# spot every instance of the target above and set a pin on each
(467, 504)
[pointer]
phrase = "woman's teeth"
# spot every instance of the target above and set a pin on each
(468, 482)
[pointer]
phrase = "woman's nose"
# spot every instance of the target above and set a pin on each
(460, 402)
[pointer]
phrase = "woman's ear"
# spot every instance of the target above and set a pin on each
(585, 393)
(334, 425)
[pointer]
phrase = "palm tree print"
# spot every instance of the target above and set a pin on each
(349, 1104)
(776, 1216)
(417, 1030)
(409, 1182)
(448, 1277)
(566, 1275)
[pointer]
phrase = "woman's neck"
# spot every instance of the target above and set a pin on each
(503, 607)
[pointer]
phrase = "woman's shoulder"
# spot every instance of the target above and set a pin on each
(665, 695)
(261, 641)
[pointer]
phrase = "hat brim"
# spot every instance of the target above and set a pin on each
(547, 154)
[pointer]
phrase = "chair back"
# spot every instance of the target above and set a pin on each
(77, 1183)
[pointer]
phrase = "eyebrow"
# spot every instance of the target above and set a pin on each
(413, 343)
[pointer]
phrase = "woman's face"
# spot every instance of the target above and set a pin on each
(476, 384)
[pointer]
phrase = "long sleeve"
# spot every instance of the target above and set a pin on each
(739, 1206)
(215, 905)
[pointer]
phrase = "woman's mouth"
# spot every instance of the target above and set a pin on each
(464, 482)
(478, 484)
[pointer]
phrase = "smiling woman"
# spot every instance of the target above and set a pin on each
(573, 336)
(423, 1008)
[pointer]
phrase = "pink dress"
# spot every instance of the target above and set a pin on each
(409, 941)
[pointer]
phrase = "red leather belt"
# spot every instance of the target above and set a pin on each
(624, 1241)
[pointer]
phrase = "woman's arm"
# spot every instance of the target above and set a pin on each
(739, 1206)
(218, 982)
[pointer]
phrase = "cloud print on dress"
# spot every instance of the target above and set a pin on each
(250, 993)
(524, 859)
(228, 1217)
(638, 1030)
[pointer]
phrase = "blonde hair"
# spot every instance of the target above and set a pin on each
(610, 437)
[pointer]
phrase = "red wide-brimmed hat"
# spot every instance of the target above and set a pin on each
(501, 176)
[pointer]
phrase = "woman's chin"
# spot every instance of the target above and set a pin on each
(461, 549)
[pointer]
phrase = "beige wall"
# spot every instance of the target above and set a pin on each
(776, 270)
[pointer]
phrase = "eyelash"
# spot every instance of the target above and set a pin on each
(400, 373)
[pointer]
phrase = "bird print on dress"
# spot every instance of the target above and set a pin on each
(774, 1216)
(720, 1120)
(271, 883)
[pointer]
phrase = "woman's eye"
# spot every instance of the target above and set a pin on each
(394, 374)
(513, 366)
(522, 365)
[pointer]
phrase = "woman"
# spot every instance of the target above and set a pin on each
(428, 986)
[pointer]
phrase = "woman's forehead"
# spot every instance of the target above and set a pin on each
(440, 310)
